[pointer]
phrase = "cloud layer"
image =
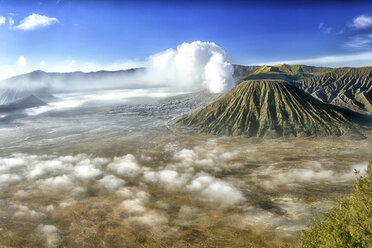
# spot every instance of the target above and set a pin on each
(161, 191)
(35, 21)
(2, 20)
(21, 62)
(340, 60)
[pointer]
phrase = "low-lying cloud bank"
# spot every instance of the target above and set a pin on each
(190, 67)
(124, 181)
(183, 186)
(311, 172)
(78, 175)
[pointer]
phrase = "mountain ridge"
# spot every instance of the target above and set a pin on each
(271, 108)
(43, 84)
(277, 72)
(66, 81)
(348, 87)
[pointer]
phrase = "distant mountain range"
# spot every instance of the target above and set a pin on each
(42, 85)
(278, 72)
(271, 109)
(347, 87)
(69, 80)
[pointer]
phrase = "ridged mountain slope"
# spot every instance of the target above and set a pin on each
(349, 87)
(268, 108)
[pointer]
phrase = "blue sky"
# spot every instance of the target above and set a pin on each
(90, 35)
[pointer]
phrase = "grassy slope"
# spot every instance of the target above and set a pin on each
(269, 108)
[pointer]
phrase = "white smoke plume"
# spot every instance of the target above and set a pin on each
(195, 65)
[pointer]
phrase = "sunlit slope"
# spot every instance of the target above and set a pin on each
(349, 87)
(270, 108)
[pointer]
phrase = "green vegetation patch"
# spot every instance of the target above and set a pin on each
(348, 224)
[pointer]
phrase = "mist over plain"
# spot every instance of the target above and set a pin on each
(190, 67)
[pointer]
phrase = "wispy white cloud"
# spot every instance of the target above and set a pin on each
(328, 30)
(22, 61)
(362, 22)
(35, 20)
(324, 28)
(2, 20)
(339, 60)
(10, 22)
(359, 29)
(360, 41)
(71, 63)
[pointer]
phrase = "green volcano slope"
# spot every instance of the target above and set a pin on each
(269, 108)
(348, 87)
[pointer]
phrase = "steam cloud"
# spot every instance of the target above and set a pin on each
(196, 65)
